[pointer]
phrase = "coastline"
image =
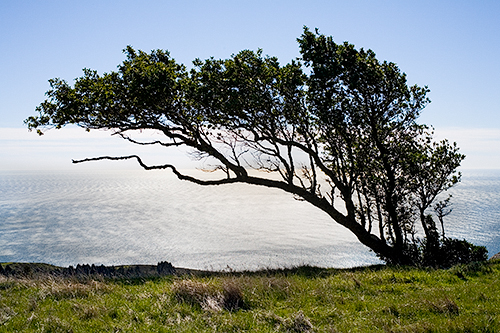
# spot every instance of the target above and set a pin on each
(31, 270)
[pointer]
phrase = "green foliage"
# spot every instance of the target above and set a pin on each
(454, 252)
(465, 298)
(336, 128)
(447, 252)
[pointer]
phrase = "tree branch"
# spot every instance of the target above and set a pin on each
(164, 144)
(164, 166)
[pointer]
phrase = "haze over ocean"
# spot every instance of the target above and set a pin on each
(139, 217)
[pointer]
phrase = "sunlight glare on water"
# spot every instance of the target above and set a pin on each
(139, 217)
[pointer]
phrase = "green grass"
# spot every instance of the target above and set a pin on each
(306, 299)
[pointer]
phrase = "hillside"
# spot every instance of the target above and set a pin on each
(303, 299)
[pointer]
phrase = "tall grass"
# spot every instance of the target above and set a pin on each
(306, 299)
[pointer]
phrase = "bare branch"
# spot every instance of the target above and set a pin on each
(314, 155)
(164, 144)
(164, 166)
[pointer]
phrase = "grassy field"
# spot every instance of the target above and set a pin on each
(305, 299)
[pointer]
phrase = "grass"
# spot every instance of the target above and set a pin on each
(305, 299)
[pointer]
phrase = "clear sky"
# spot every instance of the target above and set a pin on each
(451, 46)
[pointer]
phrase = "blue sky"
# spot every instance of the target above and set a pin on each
(451, 46)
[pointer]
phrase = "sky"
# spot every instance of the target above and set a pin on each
(450, 46)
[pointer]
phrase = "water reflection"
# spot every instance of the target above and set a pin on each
(144, 217)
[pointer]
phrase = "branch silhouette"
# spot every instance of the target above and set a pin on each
(160, 167)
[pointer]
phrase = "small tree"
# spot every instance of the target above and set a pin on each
(443, 209)
(346, 132)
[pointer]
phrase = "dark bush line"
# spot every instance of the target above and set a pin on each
(133, 271)
(443, 253)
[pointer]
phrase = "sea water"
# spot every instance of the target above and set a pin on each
(143, 217)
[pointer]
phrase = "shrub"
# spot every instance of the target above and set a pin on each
(454, 252)
(444, 253)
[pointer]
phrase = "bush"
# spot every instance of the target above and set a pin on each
(443, 253)
(454, 252)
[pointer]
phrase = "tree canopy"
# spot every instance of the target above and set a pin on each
(337, 126)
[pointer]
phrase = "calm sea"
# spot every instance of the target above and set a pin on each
(139, 217)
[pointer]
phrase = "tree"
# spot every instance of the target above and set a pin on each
(338, 127)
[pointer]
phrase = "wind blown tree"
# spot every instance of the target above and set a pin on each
(341, 135)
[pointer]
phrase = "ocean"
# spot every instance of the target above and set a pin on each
(144, 217)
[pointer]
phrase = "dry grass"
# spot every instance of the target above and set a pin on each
(443, 305)
(299, 323)
(208, 295)
(296, 322)
(56, 287)
(232, 296)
